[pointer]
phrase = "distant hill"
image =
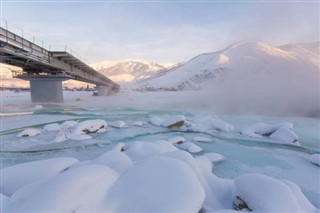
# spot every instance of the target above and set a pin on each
(128, 70)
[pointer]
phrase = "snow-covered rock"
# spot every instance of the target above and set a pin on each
(89, 126)
(38, 107)
(117, 124)
(138, 123)
(219, 125)
(115, 159)
(16, 176)
(174, 121)
(281, 132)
(138, 150)
(284, 135)
(69, 123)
(214, 157)
(157, 121)
(272, 195)
(52, 127)
(177, 140)
(79, 189)
(190, 147)
(172, 183)
(315, 159)
(29, 132)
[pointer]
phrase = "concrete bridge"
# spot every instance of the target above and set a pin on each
(47, 69)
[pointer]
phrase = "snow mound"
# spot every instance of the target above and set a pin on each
(15, 177)
(315, 159)
(172, 183)
(117, 124)
(213, 124)
(177, 140)
(281, 132)
(157, 121)
(190, 147)
(214, 157)
(90, 126)
(69, 123)
(38, 107)
(115, 159)
(272, 195)
(285, 135)
(29, 132)
(79, 189)
(174, 121)
(138, 123)
(52, 127)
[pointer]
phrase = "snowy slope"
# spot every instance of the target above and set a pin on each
(128, 70)
(241, 60)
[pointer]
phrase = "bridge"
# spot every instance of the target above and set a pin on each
(47, 69)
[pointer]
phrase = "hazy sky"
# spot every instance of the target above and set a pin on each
(160, 31)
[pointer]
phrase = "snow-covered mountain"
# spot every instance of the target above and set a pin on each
(238, 61)
(249, 77)
(129, 70)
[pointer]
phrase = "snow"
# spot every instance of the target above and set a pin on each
(214, 157)
(138, 123)
(172, 183)
(177, 140)
(272, 195)
(280, 133)
(190, 147)
(29, 132)
(89, 126)
(202, 139)
(52, 127)
(285, 135)
(174, 121)
(85, 185)
(15, 177)
(315, 159)
(157, 121)
(143, 169)
(38, 107)
(117, 124)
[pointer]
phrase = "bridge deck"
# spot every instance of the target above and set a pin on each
(35, 60)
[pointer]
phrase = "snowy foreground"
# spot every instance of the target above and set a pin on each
(83, 156)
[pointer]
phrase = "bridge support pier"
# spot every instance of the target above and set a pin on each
(46, 90)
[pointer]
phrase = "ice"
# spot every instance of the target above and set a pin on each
(52, 127)
(202, 139)
(117, 124)
(225, 157)
(29, 132)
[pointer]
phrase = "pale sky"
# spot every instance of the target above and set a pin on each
(159, 31)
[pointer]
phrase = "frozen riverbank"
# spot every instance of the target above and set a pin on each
(132, 124)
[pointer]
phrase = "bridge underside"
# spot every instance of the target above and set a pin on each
(47, 69)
